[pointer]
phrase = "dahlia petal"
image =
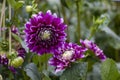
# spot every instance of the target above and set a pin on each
(49, 12)
(34, 20)
(58, 70)
(27, 25)
(55, 15)
(93, 47)
(102, 57)
(48, 18)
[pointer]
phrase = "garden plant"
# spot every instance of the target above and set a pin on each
(59, 39)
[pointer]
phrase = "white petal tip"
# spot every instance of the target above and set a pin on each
(49, 12)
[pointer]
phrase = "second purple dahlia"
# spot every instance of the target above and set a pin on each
(45, 32)
(93, 47)
(70, 53)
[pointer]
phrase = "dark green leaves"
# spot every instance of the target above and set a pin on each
(109, 70)
(77, 71)
(32, 71)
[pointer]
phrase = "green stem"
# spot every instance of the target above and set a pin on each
(10, 30)
(93, 31)
(66, 21)
(9, 40)
(78, 29)
(2, 14)
(4, 32)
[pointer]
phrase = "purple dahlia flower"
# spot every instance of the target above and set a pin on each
(3, 59)
(21, 52)
(11, 68)
(70, 53)
(45, 32)
(93, 47)
(14, 29)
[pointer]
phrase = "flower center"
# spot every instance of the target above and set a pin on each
(67, 55)
(45, 35)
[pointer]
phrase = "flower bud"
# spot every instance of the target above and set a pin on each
(17, 62)
(4, 45)
(12, 55)
(29, 8)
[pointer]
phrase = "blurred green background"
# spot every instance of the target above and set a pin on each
(80, 16)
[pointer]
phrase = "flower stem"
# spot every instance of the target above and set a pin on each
(9, 30)
(2, 16)
(78, 29)
(4, 32)
(66, 21)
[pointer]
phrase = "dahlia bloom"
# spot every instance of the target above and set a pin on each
(70, 53)
(93, 47)
(14, 29)
(45, 32)
(21, 52)
(3, 59)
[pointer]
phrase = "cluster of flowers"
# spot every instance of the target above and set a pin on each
(16, 62)
(45, 33)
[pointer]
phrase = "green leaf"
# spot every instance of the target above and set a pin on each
(15, 5)
(109, 70)
(43, 60)
(18, 4)
(64, 3)
(98, 24)
(16, 37)
(77, 71)
(32, 71)
(12, 3)
(115, 39)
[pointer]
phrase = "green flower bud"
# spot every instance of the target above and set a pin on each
(17, 62)
(12, 55)
(29, 8)
(4, 45)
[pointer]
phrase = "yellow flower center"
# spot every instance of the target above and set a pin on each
(45, 35)
(67, 55)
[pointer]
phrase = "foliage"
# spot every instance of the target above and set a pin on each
(76, 72)
(97, 20)
(109, 70)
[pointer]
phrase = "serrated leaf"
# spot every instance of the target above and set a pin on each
(32, 71)
(77, 71)
(109, 70)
